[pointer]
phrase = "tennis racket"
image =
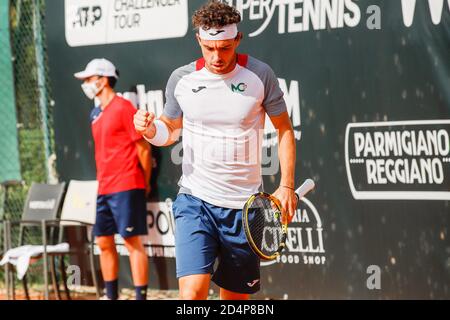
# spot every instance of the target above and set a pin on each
(265, 228)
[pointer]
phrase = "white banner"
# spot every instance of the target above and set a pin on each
(94, 22)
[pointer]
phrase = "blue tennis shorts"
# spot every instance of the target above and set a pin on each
(204, 232)
(121, 212)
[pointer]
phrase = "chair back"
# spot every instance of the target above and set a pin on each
(80, 203)
(43, 201)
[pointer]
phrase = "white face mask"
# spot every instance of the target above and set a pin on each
(90, 89)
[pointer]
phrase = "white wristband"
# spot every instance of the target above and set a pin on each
(161, 136)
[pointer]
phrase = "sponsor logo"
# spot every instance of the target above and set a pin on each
(435, 7)
(151, 100)
(198, 89)
(129, 229)
(239, 87)
(292, 16)
(161, 229)
(42, 205)
(86, 16)
(216, 33)
(252, 284)
(93, 22)
(304, 243)
(399, 160)
(300, 16)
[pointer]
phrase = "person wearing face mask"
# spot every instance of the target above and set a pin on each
(123, 171)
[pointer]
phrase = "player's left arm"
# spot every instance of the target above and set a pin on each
(287, 156)
(144, 153)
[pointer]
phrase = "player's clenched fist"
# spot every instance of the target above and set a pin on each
(143, 122)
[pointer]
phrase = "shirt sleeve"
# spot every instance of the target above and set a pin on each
(172, 109)
(273, 102)
(128, 112)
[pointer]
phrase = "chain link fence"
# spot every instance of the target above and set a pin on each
(33, 106)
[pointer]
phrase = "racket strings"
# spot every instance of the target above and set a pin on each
(264, 222)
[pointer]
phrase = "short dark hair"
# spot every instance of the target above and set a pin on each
(113, 80)
(215, 14)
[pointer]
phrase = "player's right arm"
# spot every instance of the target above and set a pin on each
(160, 132)
(165, 130)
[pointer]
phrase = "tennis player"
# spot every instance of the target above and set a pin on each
(220, 101)
(123, 171)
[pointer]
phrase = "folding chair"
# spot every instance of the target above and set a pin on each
(79, 209)
(43, 202)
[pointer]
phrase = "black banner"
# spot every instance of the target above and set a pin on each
(367, 88)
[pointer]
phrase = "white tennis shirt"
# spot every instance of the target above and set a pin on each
(223, 123)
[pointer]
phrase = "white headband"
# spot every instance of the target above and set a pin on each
(224, 33)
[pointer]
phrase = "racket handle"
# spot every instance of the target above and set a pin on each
(306, 187)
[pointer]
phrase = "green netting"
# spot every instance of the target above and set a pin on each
(26, 127)
(9, 150)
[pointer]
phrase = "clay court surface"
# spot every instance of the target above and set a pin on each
(88, 293)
